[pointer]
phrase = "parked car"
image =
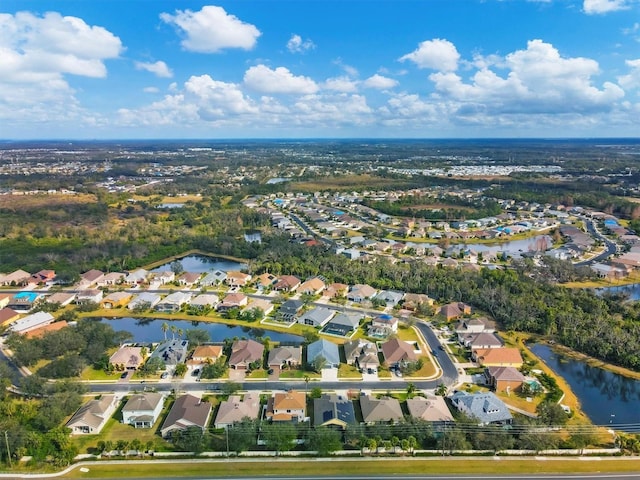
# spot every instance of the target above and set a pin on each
(195, 373)
(124, 375)
(164, 375)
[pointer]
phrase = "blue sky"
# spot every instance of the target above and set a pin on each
(105, 69)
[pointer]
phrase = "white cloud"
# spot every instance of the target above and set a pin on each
(632, 79)
(263, 79)
(297, 45)
(348, 69)
(596, 7)
(158, 68)
(380, 82)
(151, 90)
(436, 54)
(212, 29)
(36, 52)
(341, 84)
(539, 81)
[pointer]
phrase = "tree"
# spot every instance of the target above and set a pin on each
(441, 390)
(180, 369)
(164, 327)
(216, 369)
(551, 413)
(242, 435)
(319, 363)
(324, 440)
(279, 436)
(230, 388)
(191, 439)
(197, 337)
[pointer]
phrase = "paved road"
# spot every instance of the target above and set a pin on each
(610, 247)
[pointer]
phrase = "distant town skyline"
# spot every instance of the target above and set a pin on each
(136, 69)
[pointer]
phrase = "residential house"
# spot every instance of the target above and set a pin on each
(412, 301)
(236, 408)
(482, 340)
(116, 300)
(290, 309)
(336, 290)
(189, 279)
(265, 281)
(173, 302)
(433, 409)
(236, 278)
(213, 278)
(453, 311)
(146, 299)
(16, 279)
(334, 410)
(205, 354)
(262, 304)
(325, 349)
(504, 379)
(313, 286)
(380, 410)
(24, 301)
(52, 327)
(288, 356)
(187, 411)
(142, 409)
(497, 357)
(92, 416)
(136, 277)
(61, 298)
(233, 300)
(316, 317)
(90, 278)
(471, 326)
(171, 352)
(389, 297)
(128, 357)
(7, 316)
(382, 326)
(92, 295)
(205, 301)
(31, 322)
(110, 279)
(43, 277)
(165, 277)
(288, 406)
(398, 352)
(244, 353)
(343, 324)
(286, 283)
(5, 298)
(361, 353)
(483, 406)
(359, 293)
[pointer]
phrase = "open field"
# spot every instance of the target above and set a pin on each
(342, 466)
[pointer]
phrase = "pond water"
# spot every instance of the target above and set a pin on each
(630, 292)
(150, 330)
(513, 248)
(201, 263)
(606, 397)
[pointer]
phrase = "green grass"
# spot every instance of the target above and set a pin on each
(349, 371)
(299, 374)
(366, 466)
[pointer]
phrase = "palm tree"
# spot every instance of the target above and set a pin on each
(173, 329)
(180, 332)
(165, 327)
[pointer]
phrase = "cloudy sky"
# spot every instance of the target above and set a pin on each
(99, 69)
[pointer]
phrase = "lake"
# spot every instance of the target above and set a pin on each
(201, 264)
(631, 292)
(606, 397)
(149, 330)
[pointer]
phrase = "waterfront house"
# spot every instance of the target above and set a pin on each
(127, 357)
(173, 302)
(244, 353)
(485, 407)
(316, 317)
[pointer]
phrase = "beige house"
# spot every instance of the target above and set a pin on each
(235, 409)
(92, 416)
(129, 357)
(288, 406)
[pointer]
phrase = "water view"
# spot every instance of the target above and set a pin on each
(606, 397)
(201, 264)
(150, 330)
(630, 292)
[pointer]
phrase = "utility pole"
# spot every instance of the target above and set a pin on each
(226, 431)
(6, 439)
